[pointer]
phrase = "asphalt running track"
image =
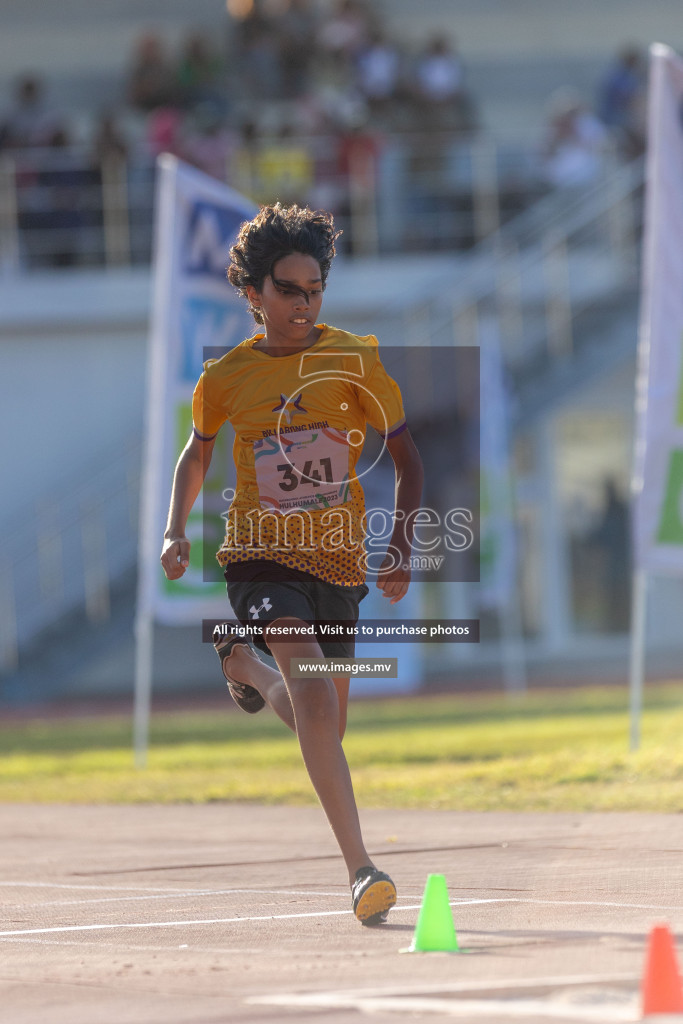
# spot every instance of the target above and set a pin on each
(229, 913)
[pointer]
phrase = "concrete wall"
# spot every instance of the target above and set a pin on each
(72, 378)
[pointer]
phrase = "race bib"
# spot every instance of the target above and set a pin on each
(308, 469)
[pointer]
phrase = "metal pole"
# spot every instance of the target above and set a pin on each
(637, 660)
(622, 233)
(556, 586)
(512, 648)
(465, 320)
(9, 643)
(419, 358)
(144, 662)
(485, 189)
(9, 217)
(363, 204)
(50, 552)
(95, 565)
(509, 296)
(510, 614)
(115, 214)
(559, 299)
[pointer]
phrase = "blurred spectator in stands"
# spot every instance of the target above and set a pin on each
(347, 29)
(200, 74)
(108, 141)
(29, 121)
(208, 143)
(284, 169)
(439, 72)
(357, 154)
(336, 103)
(256, 56)
(442, 101)
(66, 204)
(110, 179)
(242, 173)
(164, 132)
(621, 101)
(296, 27)
(336, 94)
(378, 69)
(574, 145)
(151, 79)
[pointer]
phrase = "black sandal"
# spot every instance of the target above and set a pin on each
(245, 697)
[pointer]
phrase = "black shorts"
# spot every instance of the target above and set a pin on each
(263, 593)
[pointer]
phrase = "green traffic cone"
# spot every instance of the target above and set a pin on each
(434, 931)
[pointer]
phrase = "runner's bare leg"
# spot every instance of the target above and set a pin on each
(316, 707)
(246, 667)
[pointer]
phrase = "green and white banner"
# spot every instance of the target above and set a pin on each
(658, 476)
(195, 314)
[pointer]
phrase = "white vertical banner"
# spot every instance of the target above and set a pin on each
(658, 467)
(498, 551)
(196, 313)
(498, 557)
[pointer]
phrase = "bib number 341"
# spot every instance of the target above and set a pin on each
(309, 474)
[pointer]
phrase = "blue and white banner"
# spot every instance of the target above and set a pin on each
(193, 308)
(658, 476)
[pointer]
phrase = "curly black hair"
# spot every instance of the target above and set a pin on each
(278, 231)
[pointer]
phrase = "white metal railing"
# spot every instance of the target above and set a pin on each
(391, 193)
(539, 272)
(58, 208)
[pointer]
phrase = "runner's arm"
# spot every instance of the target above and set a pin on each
(394, 581)
(188, 478)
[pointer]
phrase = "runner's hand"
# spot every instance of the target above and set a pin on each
(393, 582)
(175, 557)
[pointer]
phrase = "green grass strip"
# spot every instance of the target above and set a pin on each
(564, 750)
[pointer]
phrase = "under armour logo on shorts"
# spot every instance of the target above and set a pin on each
(265, 604)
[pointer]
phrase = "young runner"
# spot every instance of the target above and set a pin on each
(299, 396)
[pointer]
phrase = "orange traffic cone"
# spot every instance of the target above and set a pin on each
(662, 987)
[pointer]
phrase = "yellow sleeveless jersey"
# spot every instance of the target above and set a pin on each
(300, 423)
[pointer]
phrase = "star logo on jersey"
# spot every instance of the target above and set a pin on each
(295, 407)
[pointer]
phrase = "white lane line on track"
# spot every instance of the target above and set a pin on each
(622, 1012)
(168, 924)
(217, 920)
(462, 987)
(432, 999)
(320, 913)
(601, 903)
(157, 894)
(92, 888)
(187, 893)
(198, 949)
(191, 893)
